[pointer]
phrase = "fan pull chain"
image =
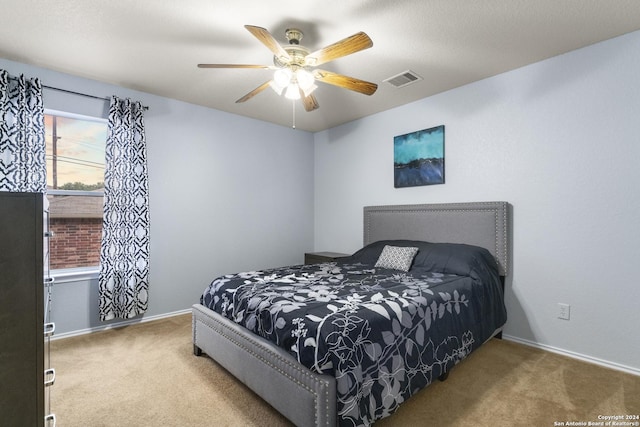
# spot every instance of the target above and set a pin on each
(293, 104)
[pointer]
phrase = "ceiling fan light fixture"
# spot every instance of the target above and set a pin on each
(293, 92)
(292, 82)
(305, 79)
(282, 77)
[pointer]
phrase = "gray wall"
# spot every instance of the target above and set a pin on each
(560, 141)
(557, 139)
(227, 194)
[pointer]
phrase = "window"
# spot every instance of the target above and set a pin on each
(75, 186)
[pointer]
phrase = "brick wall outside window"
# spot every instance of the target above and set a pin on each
(76, 242)
(76, 223)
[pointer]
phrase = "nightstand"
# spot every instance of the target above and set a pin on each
(320, 257)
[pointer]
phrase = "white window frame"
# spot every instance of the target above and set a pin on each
(77, 274)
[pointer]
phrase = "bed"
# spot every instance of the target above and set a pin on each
(346, 342)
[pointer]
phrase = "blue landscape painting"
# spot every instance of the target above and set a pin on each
(419, 158)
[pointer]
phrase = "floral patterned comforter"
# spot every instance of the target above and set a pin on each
(383, 334)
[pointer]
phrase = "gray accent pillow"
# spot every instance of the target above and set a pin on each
(396, 257)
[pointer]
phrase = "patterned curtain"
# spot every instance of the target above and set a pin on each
(124, 256)
(22, 149)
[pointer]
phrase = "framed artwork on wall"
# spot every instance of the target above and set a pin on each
(418, 158)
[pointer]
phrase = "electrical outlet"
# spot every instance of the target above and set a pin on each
(564, 311)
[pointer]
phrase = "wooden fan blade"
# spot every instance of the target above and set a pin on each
(232, 66)
(310, 102)
(344, 47)
(254, 92)
(269, 41)
(346, 82)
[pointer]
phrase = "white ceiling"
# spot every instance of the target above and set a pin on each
(155, 45)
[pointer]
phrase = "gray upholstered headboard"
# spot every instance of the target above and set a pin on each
(484, 224)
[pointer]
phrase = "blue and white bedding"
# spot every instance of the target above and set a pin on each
(384, 334)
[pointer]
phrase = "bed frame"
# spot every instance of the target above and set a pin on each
(307, 398)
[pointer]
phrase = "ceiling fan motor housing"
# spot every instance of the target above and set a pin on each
(296, 51)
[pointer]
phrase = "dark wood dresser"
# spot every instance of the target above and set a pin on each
(21, 310)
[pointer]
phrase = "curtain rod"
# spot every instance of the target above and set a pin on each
(77, 93)
(83, 94)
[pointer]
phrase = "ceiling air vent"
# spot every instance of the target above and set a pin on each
(403, 79)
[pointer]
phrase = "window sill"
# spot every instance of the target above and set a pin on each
(66, 275)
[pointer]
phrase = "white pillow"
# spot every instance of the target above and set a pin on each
(396, 257)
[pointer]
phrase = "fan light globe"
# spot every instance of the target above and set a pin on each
(282, 77)
(293, 92)
(305, 79)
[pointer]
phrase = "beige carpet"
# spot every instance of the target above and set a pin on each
(147, 375)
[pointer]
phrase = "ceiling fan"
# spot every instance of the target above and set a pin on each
(294, 65)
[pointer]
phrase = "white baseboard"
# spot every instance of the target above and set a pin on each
(118, 324)
(574, 355)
